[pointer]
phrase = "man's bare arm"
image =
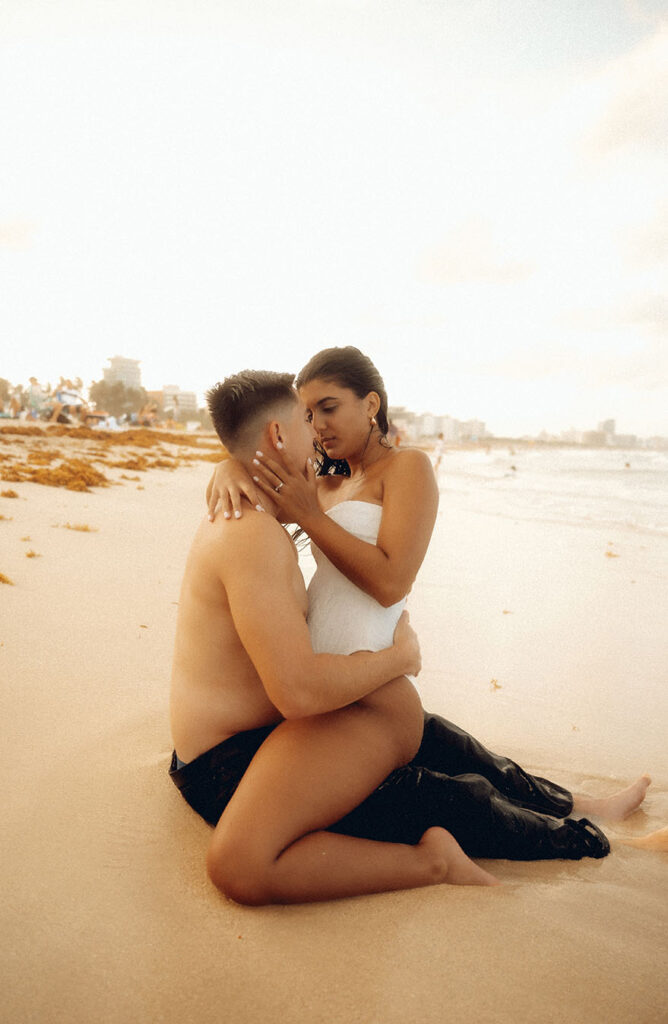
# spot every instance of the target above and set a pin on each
(258, 572)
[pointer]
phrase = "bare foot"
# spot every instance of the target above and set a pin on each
(618, 806)
(451, 863)
(654, 841)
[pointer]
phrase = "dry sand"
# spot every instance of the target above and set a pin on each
(108, 915)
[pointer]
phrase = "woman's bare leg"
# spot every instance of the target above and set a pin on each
(269, 846)
(616, 807)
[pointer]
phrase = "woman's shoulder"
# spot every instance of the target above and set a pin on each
(410, 472)
(409, 460)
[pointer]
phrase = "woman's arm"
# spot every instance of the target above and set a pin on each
(229, 483)
(387, 569)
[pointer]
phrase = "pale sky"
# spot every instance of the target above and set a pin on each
(474, 192)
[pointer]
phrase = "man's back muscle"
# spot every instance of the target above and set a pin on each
(216, 690)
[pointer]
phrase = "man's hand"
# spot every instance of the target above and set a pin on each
(406, 640)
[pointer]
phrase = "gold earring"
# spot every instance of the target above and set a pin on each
(373, 421)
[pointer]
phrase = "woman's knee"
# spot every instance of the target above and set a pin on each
(238, 873)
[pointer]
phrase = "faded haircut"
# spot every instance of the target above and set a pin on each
(242, 404)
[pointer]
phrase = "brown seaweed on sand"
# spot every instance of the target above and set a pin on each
(74, 475)
(42, 456)
(6, 579)
(137, 463)
(53, 465)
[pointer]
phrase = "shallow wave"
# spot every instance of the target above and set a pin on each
(601, 487)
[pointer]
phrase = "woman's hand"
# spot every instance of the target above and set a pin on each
(229, 482)
(294, 494)
(405, 638)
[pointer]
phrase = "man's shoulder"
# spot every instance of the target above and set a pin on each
(254, 538)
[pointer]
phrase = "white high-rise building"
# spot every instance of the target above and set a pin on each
(124, 370)
(449, 427)
(181, 403)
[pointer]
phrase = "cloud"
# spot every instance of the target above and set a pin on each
(633, 98)
(647, 244)
(645, 12)
(536, 363)
(471, 254)
(645, 369)
(649, 311)
(624, 345)
(644, 311)
(16, 235)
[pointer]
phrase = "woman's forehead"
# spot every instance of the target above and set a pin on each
(318, 390)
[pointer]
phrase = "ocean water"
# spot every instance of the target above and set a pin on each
(604, 487)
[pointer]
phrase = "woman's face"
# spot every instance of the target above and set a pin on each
(340, 419)
(299, 435)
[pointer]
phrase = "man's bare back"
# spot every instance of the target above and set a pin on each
(216, 690)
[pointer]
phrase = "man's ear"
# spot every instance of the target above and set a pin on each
(276, 435)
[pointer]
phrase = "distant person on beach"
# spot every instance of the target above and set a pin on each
(16, 403)
(439, 449)
(67, 404)
(487, 802)
(37, 398)
(148, 414)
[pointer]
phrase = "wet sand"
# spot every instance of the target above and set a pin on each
(533, 638)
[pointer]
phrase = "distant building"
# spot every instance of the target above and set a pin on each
(572, 436)
(594, 438)
(401, 418)
(625, 441)
(607, 427)
(449, 428)
(426, 425)
(179, 404)
(124, 370)
(472, 430)
(414, 427)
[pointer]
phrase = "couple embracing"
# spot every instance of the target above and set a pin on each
(297, 732)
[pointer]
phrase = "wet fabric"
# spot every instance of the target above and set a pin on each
(492, 806)
(208, 783)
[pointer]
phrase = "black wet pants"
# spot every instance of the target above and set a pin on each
(489, 804)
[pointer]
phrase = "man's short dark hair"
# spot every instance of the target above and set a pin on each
(237, 403)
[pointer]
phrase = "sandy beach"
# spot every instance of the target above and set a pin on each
(545, 638)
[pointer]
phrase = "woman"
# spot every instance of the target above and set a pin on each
(369, 514)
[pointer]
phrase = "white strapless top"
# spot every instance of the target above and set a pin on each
(341, 617)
